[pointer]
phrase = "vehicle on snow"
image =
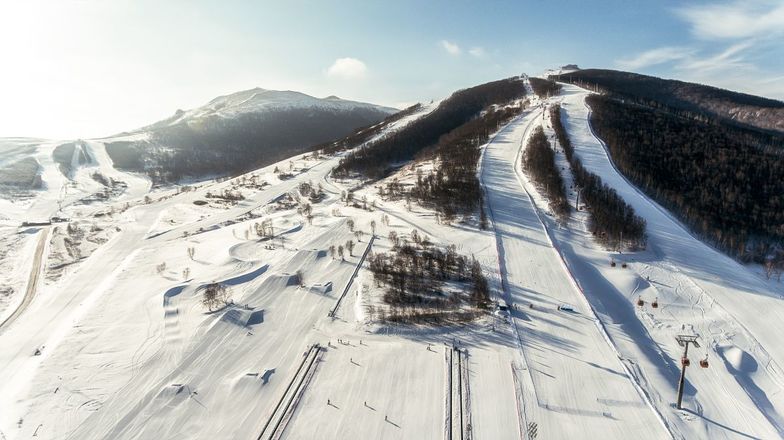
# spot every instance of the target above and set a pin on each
(565, 307)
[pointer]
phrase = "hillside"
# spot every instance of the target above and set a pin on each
(724, 181)
(236, 133)
(748, 110)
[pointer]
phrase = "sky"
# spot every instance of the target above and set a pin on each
(89, 68)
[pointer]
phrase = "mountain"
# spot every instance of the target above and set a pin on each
(238, 132)
(748, 110)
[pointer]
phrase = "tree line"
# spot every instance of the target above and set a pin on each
(696, 101)
(544, 88)
(364, 134)
(414, 275)
(453, 187)
(539, 163)
(718, 179)
(376, 159)
(219, 146)
(611, 220)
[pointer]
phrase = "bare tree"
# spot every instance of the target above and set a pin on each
(215, 294)
(186, 273)
(191, 252)
(373, 227)
(340, 251)
(350, 247)
(350, 223)
(161, 268)
(393, 238)
(769, 266)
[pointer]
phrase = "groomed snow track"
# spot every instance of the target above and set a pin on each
(532, 272)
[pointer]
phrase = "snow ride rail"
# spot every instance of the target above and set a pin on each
(458, 424)
(283, 410)
(334, 310)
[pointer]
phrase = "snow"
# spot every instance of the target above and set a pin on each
(115, 337)
(260, 100)
(562, 351)
(130, 352)
(684, 278)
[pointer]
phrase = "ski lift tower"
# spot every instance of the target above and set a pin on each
(684, 341)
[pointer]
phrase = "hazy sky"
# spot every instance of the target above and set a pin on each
(96, 67)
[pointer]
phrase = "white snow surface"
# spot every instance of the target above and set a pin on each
(128, 352)
(258, 100)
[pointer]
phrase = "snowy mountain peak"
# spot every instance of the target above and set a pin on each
(259, 100)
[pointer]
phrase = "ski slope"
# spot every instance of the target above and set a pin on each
(700, 290)
(574, 382)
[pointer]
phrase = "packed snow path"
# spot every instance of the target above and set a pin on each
(579, 385)
(32, 283)
(700, 290)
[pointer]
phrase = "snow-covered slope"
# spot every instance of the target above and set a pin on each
(235, 133)
(127, 351)
(260, 100)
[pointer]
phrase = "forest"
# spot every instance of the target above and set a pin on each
(452, 188)
(697, 101)
(426, 283)
(544, 88)
(220, 146)
(376, 160)
(720, 180)
(364, 134)
(539, 163)
(611, 220)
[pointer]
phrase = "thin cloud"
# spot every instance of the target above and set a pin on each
(347, 68)
(653, 57)
(450, 47)
(726, 68)
(730, 58)
(735, 20)
(477, 52)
